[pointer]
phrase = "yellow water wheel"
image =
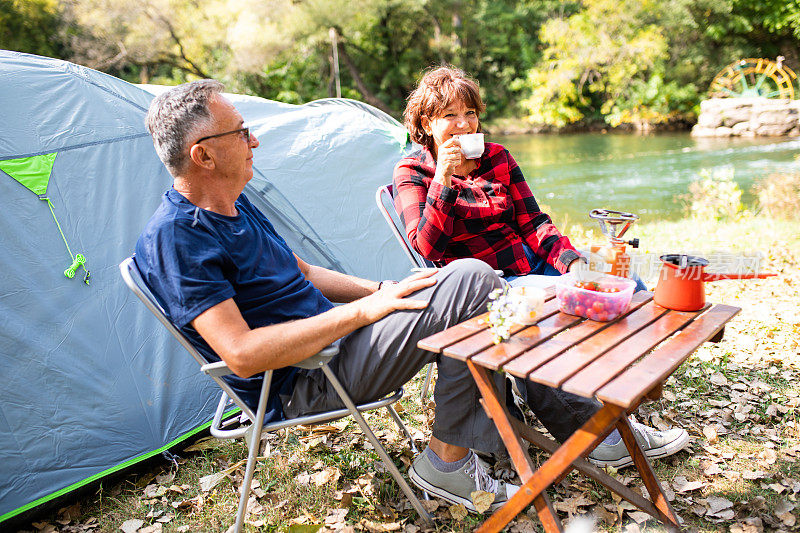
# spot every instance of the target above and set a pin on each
(754, 77)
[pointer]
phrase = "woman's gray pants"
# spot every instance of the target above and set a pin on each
(378, 359)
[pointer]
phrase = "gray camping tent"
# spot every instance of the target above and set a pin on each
(91, 382)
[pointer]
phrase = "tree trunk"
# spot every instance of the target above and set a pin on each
(369, 97)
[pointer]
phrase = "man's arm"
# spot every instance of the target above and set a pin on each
(249, 351)
(335, 286)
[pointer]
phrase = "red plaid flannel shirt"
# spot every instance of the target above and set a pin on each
(487, 215)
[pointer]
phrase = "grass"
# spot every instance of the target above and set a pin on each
(750, 459)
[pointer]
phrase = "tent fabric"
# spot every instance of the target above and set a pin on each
(92, 382)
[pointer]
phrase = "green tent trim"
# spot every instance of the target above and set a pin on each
(32, 172)
(111, 470)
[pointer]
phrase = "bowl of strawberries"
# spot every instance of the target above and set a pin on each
(593, 295)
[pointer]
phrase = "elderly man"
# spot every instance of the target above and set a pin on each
(236, 290)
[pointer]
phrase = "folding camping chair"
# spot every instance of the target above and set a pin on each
(382, 195)
(252, 432)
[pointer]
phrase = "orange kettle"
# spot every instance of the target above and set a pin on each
(680, 283)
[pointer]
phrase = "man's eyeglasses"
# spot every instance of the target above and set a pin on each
(244, 132)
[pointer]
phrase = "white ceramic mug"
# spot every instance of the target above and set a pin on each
(528, 303)
(471, 145)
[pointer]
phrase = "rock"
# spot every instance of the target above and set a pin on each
(699, 131)
(747, 117)
(710, 120)
(740, 127)
(735, 116)
(778, 117)
(772, 130)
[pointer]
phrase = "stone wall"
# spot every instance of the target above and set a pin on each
(748, 117)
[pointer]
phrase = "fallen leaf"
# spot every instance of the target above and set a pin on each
(745, 527)
(718, 379)
(73, 512)
(784, 506)
(132, 525)
(379, 527)
(788, 519)
(733, 475)
(166, 519)
(458, 512)
(572, 505)
(335, 516)
(207, 443)
(165, 479)
(330, 474)
(482, 500)
(603, 515)
(210, 481)
(767, 456)
(154, 491)
(754, 474)
(639, 516)
(712, 470)
(727, 514)
(710, 433)
(430, 505)
(690, 486)
(523, 524)
(777, 487)
(717, 504)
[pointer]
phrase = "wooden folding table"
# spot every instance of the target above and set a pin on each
(620, 363)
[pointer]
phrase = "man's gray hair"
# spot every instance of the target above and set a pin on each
(176, 116)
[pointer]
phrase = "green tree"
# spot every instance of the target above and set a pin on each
(32, 26)
(605, 60)
(150, 39)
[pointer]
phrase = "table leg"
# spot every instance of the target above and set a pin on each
(546, 513)
(665, 511)
(584, 439)
(499, 414)
(586, 468)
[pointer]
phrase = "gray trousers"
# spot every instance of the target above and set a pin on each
(378, 359)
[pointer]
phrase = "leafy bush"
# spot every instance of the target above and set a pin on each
(779, 195)
(715, 195)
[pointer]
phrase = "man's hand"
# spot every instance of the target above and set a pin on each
(448, 159)
(248, 351)
(392, 297)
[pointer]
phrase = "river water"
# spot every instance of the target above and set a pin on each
(572, 174)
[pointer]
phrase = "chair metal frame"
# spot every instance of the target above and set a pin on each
(386, 192)
(253, 431)
(417, 261)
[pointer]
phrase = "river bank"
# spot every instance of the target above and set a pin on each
(520, 126)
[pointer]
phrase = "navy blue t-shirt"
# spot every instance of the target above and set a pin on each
(192, 259)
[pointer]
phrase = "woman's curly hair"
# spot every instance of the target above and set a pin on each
(439, 88)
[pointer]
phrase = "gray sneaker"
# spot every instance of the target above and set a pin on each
(456, 487)
(656, 444)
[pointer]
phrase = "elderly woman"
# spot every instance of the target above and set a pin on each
(454, 207)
